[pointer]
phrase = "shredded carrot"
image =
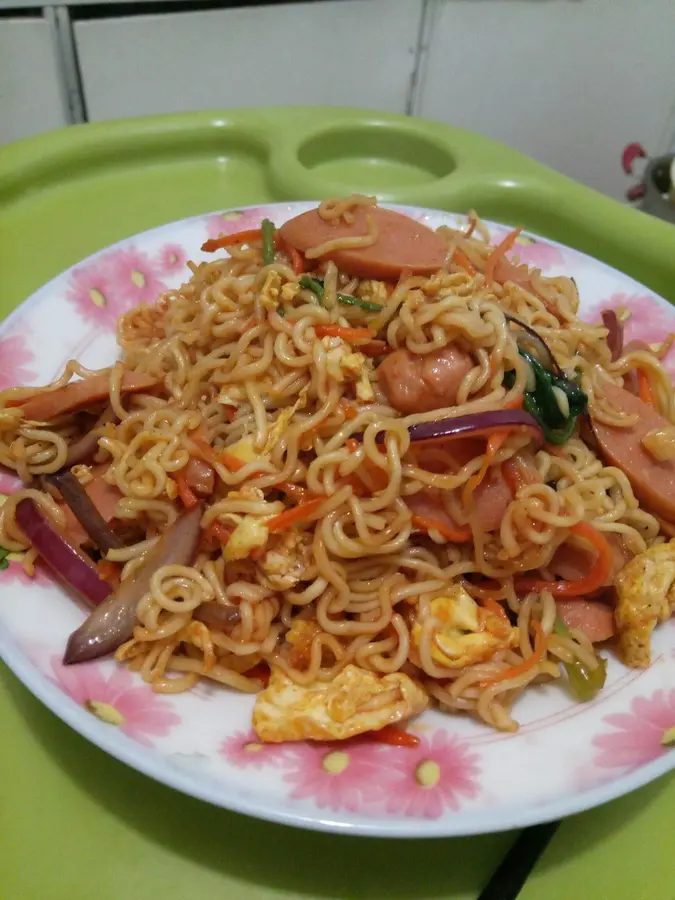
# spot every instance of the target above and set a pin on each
(230, 461)
(498, 253)
(348, 409)
(378, 476)
(261, 671)
(516, 403)
(375, 348)
(540, 644)
(342, 331)
(518, 476)
(216, 533)
(494, 444)
(595, 578)
(455, 535)
(294, 255)
(204, 449)
(109, 571)
(188, 498)
(397, 737)
(472, 227)
(491, 605)
(463, 260)
(645, 388)
(226, 240)
(294, 516)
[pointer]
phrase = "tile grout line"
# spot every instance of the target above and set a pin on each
(427, 10)
(70, 79)
(510, 876)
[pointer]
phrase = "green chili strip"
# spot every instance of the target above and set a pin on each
(268, 235)
(584, 682)
(4, 561)
(316, 286)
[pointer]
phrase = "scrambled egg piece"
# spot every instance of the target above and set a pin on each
(283, 421)
(249, 534)
(467, 634)
(645, 590)
(243, 449)
(285, 564)
(300, 636)
(269, 295)
(290, 291)
(355, 701)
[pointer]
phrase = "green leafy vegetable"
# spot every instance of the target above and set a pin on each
(542, 402)
(584, 682)
(268, 234)
(4, 558)
(315, 285)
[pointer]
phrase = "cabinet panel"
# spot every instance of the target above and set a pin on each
(569, 82)
(29, 94)
(329, 53)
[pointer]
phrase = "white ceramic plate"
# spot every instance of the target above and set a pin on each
(567, 757)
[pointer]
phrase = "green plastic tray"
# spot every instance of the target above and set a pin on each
(77, 825)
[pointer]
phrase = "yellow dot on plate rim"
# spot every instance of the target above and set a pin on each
(428, 773)
(138, 278)
(97, 297)
(253, 747)
(668, 739)
(335, 762)
(105, 712)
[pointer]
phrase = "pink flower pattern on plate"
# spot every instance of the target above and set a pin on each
(15, 572)
(233, 221)
(649, 320)
(638, 735)
(529, 251)
(118, 699)
(335, 775)
(111, 285)
(245, 751)
(421, 783)
(171, 259)
(15, 356)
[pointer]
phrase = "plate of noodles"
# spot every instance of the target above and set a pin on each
(347, 516)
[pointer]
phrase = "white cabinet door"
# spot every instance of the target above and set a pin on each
(30, 100)
(569, 82)
(343, 52)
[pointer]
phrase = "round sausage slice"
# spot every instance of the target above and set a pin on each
(653, 481)
(401, 243)
(416, 383)
(594, 618)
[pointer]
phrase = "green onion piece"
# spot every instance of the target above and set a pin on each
(315, 285)
(584, 683)
(4, 560)
(356, 301)
(543, 405)
(268, 235)
(281, 311)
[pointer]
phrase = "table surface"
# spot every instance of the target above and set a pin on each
(77, 824)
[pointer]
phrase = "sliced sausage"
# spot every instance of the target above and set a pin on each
(80, 394)
(573, 562)
(653, 481)
(200, 476)
(491, 500)
(420, 383)
(402, 243)
(594, 618)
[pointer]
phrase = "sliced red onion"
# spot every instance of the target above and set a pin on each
(112, 623)
(217, 615)
(465, 426)
(87, 445)
(614, 332)
(85, 512)
(538, 340)
(65, 560)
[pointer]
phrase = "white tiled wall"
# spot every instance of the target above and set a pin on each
(570, 82)
(339, 52)
(30, 100)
